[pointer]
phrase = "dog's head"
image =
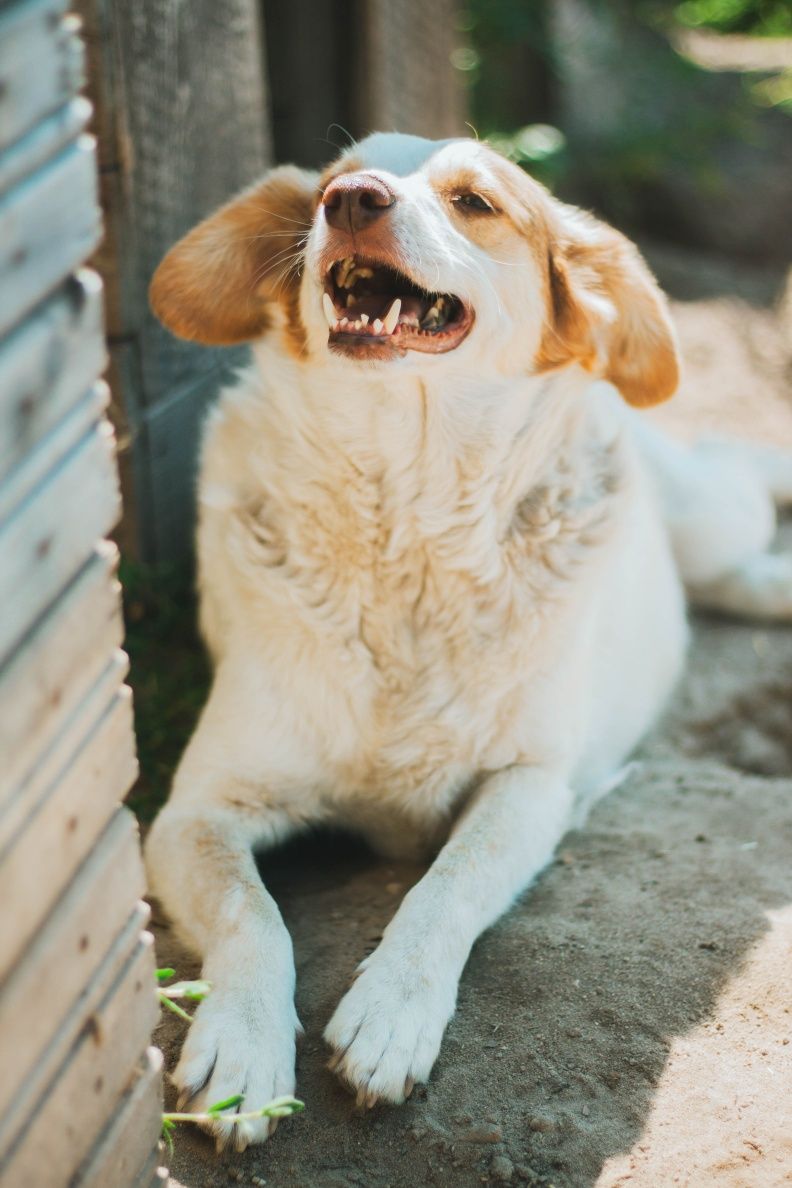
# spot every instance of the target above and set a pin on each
(406, 252)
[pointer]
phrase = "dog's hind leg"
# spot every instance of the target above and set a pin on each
(719, 502)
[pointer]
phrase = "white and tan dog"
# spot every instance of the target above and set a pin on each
(441, 567)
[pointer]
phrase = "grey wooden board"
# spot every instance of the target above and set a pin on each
(128, 1149)
(44, 987)
(61, 829)
(71, 1111)
(49, 223)
(48, 363)
(43, 142)
(60, 757)
(35, 465)
(62, 762)
(40, 64)
(409, 83)
(53, 532)
(61, 661)
(186, 86)
(190, 83)
(63, 658)
(154, 1175)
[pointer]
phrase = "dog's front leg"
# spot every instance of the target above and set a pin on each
(242, 1037)
(387, 1030)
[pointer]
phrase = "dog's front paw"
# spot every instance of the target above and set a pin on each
(387, 1030)
(237, 1044)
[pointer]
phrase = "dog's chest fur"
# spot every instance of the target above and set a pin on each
(418, 599)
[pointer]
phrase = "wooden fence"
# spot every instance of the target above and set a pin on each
(80, 1089)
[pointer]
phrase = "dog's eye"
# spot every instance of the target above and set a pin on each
(472, 203)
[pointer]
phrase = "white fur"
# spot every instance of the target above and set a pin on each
(443, 606)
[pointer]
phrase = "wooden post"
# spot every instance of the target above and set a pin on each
(408, 82)
(182, 124)
(77, 994)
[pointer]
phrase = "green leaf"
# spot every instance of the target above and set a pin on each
(195, 991)
(165, 973)
(282, 1107)
(173, 1006)
(168, 1128)
(229, 1102)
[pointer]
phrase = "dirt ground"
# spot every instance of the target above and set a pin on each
(630, 1021)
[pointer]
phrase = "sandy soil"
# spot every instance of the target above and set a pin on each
(630, 1021)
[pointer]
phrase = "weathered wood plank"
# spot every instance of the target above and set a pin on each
(46, 679)
(42, 854)
(62, 752)
(174, 86)
(35, 465)
(47, 364)
(43, 142)
(409, 83)
(71, 1111)
(49, 223)
(49, 537)
(154, 1176)
(41, 61)
(126, 1151)
(46, 985)
(190, 82)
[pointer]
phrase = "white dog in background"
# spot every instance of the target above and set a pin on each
(441, 567)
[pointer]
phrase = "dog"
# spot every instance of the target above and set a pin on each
(441, 564)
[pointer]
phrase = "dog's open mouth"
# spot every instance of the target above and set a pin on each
(373, 311)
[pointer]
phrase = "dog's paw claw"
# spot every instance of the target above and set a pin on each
(385, 1036)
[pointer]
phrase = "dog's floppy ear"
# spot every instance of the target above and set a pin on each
(216, 284)
(607, 311)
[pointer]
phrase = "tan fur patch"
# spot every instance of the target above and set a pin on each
(218, 284)
(591, 270)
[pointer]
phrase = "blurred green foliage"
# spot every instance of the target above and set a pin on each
(508, 63)
(759, 18)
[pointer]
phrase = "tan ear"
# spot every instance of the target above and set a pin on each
(217, 284)
(607, 311)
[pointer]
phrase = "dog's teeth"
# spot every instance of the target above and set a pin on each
(376, 326)
(343, 270)
(392, 316)
(364, 319)
(329, 310)
(344, 322)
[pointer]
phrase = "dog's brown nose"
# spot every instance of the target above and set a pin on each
(355, 200)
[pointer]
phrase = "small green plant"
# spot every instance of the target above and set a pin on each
(281, 1107)
(196, 991)
(193, 991)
